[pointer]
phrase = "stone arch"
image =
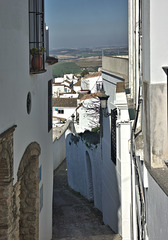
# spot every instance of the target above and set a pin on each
(28, 178)
(6, 183)
(89, 178)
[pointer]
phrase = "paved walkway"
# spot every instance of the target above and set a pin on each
(74, 218)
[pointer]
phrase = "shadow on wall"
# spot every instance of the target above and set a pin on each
(91, 172)
(111, 181)
(89, 178)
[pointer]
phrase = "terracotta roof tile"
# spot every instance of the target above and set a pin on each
(89, 96)
(120, 87)
(64, 102)
(78, 83)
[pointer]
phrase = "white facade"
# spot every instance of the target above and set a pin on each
(77, 88)
(149, 148)
(59, 153)
(16, 82)
(57, 89)
(84, 168)
(89, 114)
(116, 178)
(91, 83)
(58, 80)
(67, 112)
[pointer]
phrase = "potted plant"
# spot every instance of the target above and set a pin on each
(37, 61)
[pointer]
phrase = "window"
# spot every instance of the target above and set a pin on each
(49, 105)
(61, 111)
(113, 134)
(36, 35)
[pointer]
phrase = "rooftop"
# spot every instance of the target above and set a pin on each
(78, 83)
(64, 102)
(90, 96)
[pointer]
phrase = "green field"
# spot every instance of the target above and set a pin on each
(62, 68)
(89, 64)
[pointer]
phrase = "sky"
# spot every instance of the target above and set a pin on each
(86, 23)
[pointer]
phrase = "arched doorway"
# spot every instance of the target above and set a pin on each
(28, 178)
(89, 178)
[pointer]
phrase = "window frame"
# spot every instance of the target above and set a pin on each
(36, 35)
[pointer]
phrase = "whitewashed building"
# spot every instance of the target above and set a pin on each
(26, 157)
(77, 86)
(57, 88)
(67, 84)
(115, 138)
(92, 82)
(148, 63)
(89, 112)
(146, 95)
(64, 108)
(100, 170)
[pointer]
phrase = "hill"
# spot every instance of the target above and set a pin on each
(62, 68)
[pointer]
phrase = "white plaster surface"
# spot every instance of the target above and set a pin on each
(68, 111)
(89, 114)
(59, 136)
(90, 83)
(16, 82)
(155, 41)
(157, 211)
(116, 179)
(78, 179)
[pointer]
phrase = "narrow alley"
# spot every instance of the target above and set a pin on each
(73, 216)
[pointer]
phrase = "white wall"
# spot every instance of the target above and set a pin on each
(59, 153)
(77, 166)
(123, 169)
(88, 117)
(158, 40)
(90, 83)
(111, 183)
(116, 64)
(16, 82)
(109, 84)
(77, 88)
(58, 80)
(68, 111)
(155, 40)
(116, 179)
(157, 210)
(56, 89)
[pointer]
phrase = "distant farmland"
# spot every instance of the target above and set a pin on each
(89, 63)
(91, 66)
(62, 68)
(77, 60)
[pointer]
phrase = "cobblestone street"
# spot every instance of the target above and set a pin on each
(74, 218)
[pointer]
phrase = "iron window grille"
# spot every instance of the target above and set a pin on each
(113, 134)
(61, 111)
(49, 105)
(36, 36)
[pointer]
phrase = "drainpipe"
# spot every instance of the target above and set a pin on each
(137, 174)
